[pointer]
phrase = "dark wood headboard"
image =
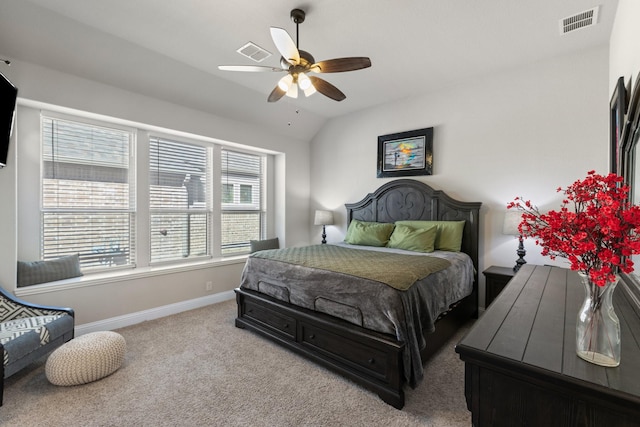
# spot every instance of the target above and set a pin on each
(408, 199)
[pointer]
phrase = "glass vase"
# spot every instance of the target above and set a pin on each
(598, 327)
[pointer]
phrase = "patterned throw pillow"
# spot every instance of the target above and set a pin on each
(14, 328)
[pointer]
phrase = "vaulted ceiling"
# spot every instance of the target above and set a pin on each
(171, 49)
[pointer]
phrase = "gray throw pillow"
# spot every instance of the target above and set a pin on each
(35, 272)
(261, 245)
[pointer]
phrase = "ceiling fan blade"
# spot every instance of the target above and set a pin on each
(340, 65)
(276, 94)
(285, 45)
(249, 68)
(327, 89)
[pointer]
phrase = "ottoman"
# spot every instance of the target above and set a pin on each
(86, 358)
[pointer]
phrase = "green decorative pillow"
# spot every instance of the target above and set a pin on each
(368, 233)
(449, 236)
(34, 272)
(413, 239)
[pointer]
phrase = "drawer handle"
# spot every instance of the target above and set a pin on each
(372, 361)
(312, 336)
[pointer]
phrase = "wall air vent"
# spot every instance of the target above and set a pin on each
(253, 51)
(580, 20)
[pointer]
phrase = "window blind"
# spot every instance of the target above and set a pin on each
(88, 196)
(243, 215)
(179, 202)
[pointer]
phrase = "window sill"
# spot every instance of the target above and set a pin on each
(97, 279)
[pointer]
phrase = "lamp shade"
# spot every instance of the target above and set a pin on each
(285, 82)
(309, 91)
(293, 91)
(511, 221)
(304, 81)
(323, 218)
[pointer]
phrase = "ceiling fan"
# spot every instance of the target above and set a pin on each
(299, 63)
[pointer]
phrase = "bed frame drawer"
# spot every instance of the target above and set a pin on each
(369, 358)
(357, 355)
(278, 322)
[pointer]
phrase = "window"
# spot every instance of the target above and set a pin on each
(180, 211)
(88, 199)
(243, 213)
(125, 197)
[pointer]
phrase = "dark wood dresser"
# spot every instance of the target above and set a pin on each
(521, 368)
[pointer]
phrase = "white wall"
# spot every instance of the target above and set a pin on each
(107, 299)
(524, 132)
(624, 52)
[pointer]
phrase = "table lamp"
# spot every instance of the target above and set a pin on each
(323, 218)
(510, 226)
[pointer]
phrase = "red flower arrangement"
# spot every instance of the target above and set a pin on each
(597, 237)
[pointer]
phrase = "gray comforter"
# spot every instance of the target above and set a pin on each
(367, 303)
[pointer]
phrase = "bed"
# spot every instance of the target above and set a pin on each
(377, 334)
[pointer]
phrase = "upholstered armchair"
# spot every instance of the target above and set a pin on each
(28, 332)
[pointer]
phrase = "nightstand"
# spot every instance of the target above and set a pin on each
(496, 278)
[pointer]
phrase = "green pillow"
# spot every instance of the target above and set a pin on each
(413, 239)
(368, 233)
(449, 237)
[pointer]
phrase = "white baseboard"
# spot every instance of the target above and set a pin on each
(153, 313)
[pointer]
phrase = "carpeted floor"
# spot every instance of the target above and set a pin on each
(197, 369)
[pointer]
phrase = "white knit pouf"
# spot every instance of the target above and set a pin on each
(86, 358)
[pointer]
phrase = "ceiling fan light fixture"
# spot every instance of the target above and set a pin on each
(304, 81)
(309, 91)
(286, 82)
(293, 91)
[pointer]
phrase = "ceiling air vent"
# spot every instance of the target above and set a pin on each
(575, 22)
(253, 51)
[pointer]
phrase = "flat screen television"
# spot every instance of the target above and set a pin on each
(8, 96)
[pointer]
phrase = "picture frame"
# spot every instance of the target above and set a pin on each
(407, 153)
(617, 111)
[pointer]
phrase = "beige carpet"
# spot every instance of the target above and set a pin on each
(197, 369)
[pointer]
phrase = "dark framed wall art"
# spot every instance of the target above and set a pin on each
(618, 108)
(406, 153)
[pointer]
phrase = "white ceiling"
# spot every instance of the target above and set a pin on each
(171, 49)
